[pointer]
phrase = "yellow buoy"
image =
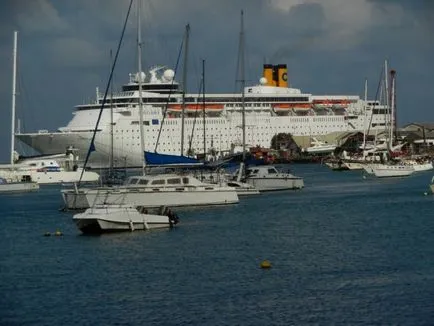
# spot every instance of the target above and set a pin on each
(265, 264)
(58, 233)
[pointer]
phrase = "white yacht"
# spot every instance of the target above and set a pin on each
(269, 178)
(392, 170)
(48, 170)
(110, 218)
(319, 147)
(171, 190)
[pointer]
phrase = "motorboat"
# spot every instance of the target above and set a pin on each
(48, 170)
(111, 218)
(269, 178)
(8, 186)
(320, 147)
(174, 190)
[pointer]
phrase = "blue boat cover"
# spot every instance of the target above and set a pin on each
(156, 159)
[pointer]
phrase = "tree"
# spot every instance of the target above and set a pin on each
(284, 141)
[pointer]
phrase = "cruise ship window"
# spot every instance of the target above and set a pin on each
(158, 182)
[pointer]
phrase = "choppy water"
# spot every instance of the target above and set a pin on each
(344, 251)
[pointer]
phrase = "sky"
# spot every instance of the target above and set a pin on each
(329, 46)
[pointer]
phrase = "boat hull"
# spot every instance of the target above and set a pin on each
(274, 184)
(17, 187)
(423, 167)
(85, 198)
(107, 219)
(390, 171)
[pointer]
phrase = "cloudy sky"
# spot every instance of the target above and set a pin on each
(330, 47)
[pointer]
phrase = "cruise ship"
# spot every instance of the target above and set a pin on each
(211, 121)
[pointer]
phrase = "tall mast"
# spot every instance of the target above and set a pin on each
(364, 119)
(14, 94)
(395, 112)
(111, 159)
(386, 97)
(203, 109)
(184, 85)
(243, 85)
(139, 66)
(392, 106)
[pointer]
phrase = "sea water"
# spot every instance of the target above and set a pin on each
(345, 250)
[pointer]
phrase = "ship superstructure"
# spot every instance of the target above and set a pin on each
(271, 107)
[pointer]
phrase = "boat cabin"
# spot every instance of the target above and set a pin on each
(264, 171)
(162, 180)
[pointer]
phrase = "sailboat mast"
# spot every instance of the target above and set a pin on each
(14, 94)
(111, 160)
(386, 91)
(184, 85)
(243, 85)
(392, 106)
(364, 120)
(139, 66)
(203, 109)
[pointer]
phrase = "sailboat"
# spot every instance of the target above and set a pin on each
(155, 159)
(248, 179)
(49, 169)
(391, 168)
(242, 187)
(151, 190)
(15, 182)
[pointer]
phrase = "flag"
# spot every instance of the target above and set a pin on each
(92, 147)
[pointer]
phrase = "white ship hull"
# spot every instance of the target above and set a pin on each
(222, 134)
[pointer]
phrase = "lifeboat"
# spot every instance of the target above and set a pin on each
(283, 107)
(332, 103)
(196, 107)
